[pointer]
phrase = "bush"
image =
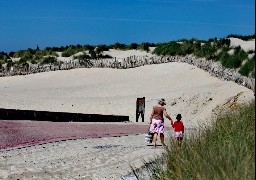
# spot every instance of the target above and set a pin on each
(49, 60)
(22, 61)
(235, 60)
(69, 52)
(133, 46)
(248, 67)
(172, 49)
(82, 57)
(144, 46)
(229, 61)
(10, 63)
(33, 61)
(206, 50)
(119, 46)
(4, 56)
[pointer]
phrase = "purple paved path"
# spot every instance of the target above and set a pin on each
(22, 133)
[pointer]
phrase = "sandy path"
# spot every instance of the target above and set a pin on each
(97, 158)
(21, 133)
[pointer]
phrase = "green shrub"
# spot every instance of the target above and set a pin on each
(10, 63)
(206, 50)
(49, 60)
(172, 49)
(82, 57)
(93, 54)
(133, 46)
(118, 46)
(33, 61)
(229, 61)
(235, 60)
(4, 56)
(144, 46)
(22, 61)
(69, 52)
(248, 67)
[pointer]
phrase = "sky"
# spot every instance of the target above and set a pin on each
(55, 23)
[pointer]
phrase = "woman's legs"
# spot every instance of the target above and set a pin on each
(154, 139)
(162, 138)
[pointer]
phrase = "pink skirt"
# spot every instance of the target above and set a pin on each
(157, 126)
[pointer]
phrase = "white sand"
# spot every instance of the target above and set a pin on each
(245, 45)
(127, 53)
(114, 91)
(98, 158)
(187, 90)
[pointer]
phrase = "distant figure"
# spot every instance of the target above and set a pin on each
(140, 109)
(37, 48)
(178, 129)
(157, 121)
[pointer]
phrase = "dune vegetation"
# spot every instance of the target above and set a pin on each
(212, 49)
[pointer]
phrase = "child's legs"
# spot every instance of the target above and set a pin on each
(179, 140)
(179, 136)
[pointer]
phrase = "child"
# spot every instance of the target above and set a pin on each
(178, 129)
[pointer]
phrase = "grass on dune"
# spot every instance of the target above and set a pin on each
(225, 150)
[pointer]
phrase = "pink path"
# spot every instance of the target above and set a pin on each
(19, 133)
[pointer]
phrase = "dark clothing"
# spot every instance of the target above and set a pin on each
(138, 115)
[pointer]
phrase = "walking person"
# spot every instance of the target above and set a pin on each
(178, 129)
(157, 121)
(140, 110)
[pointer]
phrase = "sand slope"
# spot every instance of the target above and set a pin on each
(187, 90)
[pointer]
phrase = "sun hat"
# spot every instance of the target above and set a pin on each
(162, 101)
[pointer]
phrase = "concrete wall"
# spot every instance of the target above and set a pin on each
(15, 114)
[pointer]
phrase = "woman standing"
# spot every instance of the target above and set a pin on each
(157, 121)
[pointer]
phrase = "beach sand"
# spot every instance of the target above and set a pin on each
(188, 90)
(97, 158)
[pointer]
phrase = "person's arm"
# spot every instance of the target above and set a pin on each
(173, 124)
(151, 116)
(167, 116)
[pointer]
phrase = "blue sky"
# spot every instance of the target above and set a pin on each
(48, 23)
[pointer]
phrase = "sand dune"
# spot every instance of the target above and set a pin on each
(187, 90)
(114, 91)
(245, 45)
